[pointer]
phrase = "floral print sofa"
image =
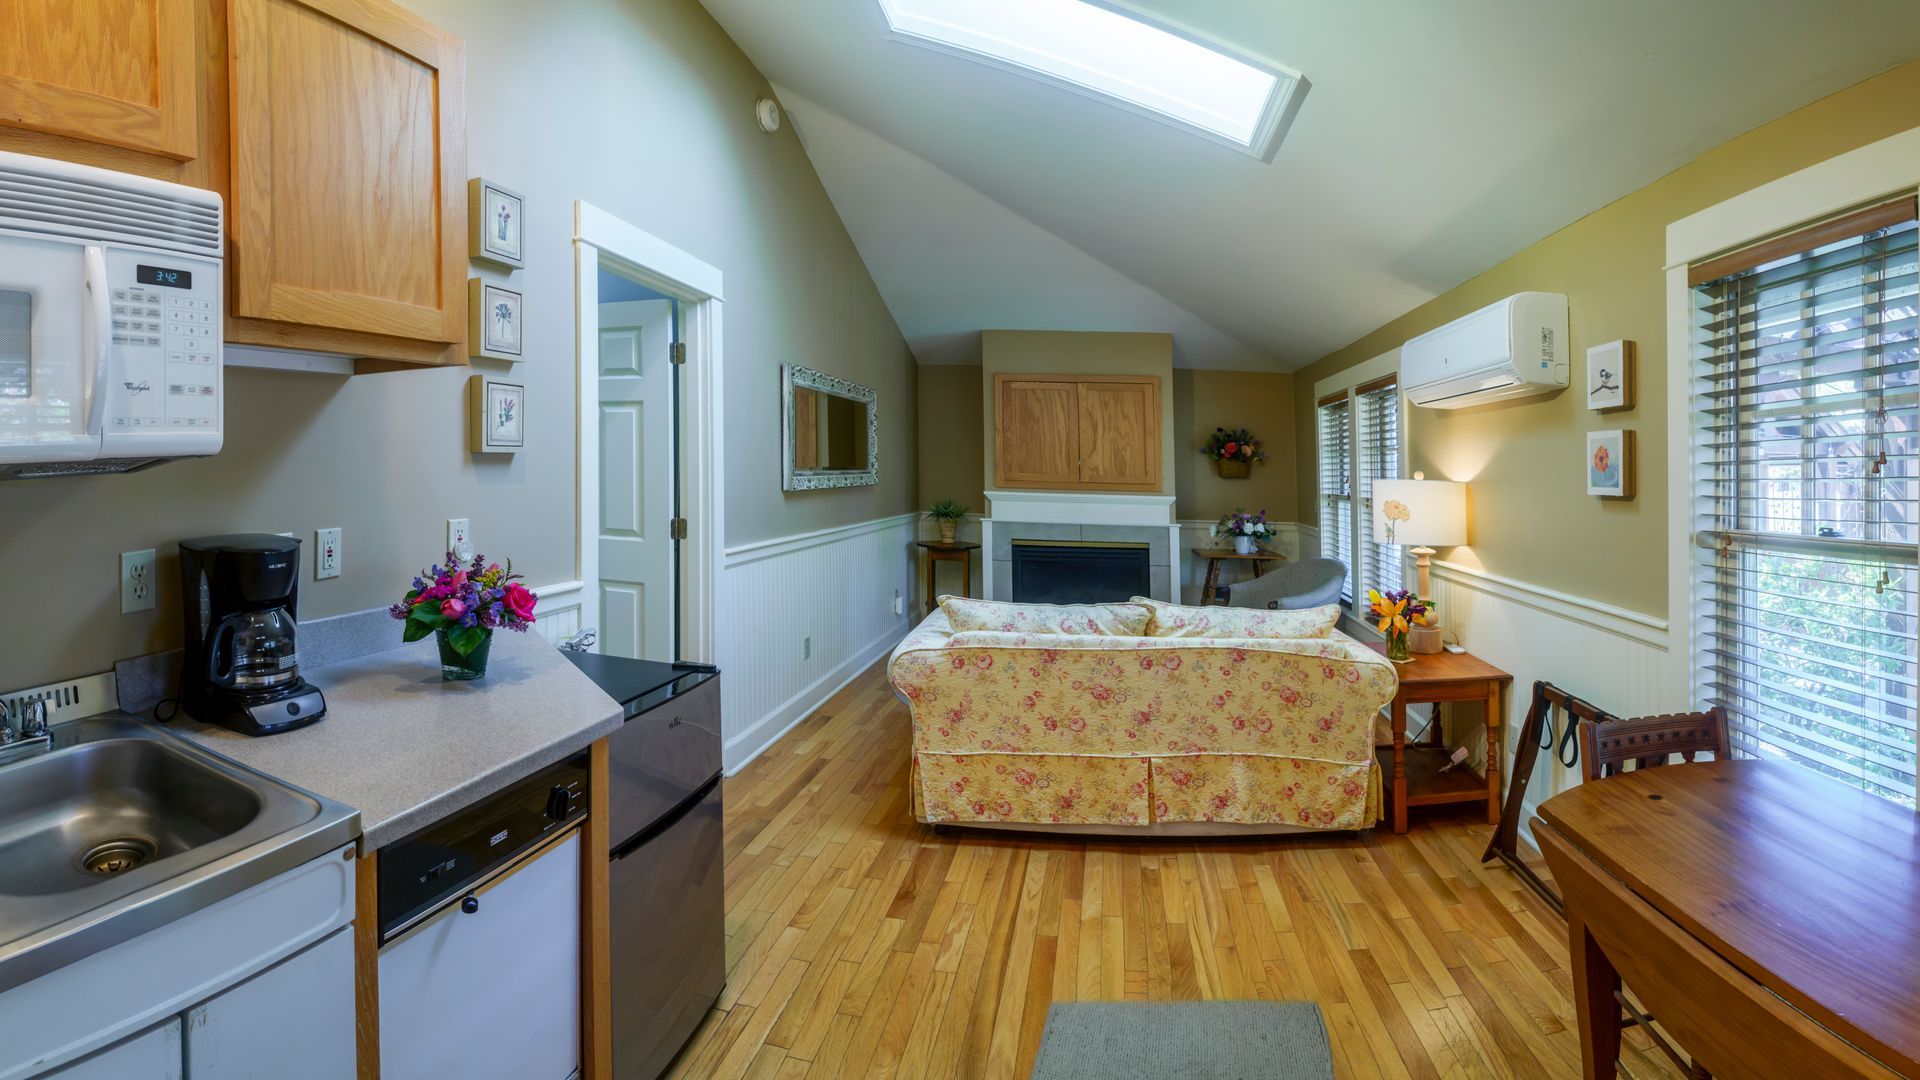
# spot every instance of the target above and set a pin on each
(1141, 718)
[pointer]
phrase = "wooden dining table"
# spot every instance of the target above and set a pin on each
(1765, 916)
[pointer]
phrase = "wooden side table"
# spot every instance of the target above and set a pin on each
(1413, 770)
(1259, 557)
(960, 551)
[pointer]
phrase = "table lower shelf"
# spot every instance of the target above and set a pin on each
(1426, 784)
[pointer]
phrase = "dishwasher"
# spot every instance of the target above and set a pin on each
(479, 923)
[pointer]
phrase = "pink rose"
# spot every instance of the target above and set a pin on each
(452, 608)
(520, 600)
(458, 579)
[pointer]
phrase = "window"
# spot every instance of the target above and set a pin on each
(1122, 58)
(1806, 495)
(1359, 442)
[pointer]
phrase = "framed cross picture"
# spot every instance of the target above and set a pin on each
(1610, 464)
(1610, 376)
(493, 320)
(495, 220)
(498, 414)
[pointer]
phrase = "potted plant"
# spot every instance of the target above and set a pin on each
(1233, 452)
(461, 604)
(1398, 613)
(946, 515)
(1249, 531)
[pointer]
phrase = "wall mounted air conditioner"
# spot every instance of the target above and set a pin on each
(1512, 349)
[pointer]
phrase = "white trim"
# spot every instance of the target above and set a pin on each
(770, 728)
(1641, 627)
(1079, 507)
(1888, 167)
(1387, 363)
(600, 237)
(559, 591)
(783, 545)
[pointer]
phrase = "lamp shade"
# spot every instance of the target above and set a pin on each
(1430, 513)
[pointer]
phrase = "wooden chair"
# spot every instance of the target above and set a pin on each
(1608, 745)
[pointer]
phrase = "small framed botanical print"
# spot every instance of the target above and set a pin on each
(1610, 464)
(1610, 376)
(498, 413)
(493, 320)
(495, 219)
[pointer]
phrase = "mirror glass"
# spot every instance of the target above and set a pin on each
(830, 434)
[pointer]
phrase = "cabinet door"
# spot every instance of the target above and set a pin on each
(349, 164)
(120, 72)
(1120, 433)
(1036, 437)
(154, 1054)
(294, 1020)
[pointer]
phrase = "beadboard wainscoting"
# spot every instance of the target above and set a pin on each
(849, 589)
(557, 615)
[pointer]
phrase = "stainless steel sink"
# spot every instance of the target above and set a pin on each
(123, 827)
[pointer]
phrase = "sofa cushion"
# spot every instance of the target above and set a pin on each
(1127, 620)
(1180, 621)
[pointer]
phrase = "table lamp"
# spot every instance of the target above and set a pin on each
(1422, 512)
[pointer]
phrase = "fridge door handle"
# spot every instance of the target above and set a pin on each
(666, 821)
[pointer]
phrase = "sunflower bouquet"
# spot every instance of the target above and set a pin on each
(1396, 614)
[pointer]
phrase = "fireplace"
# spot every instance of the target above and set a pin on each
(1070, 572)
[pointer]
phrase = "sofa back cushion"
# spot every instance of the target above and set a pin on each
(1180, 621)
(1126, 620)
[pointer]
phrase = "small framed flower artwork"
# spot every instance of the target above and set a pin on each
(497, 415)
(493, 321)
(495, 216)
(1610, 464)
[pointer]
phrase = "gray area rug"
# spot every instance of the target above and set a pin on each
(1192, 1040)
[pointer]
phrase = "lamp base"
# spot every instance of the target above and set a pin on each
(1423, 572)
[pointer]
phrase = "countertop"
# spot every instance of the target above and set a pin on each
(405, 747)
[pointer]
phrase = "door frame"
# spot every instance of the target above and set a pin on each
(598, 236)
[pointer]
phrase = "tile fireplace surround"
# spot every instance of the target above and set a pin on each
(1078, 515)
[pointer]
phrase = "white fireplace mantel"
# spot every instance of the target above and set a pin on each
(1080, 507)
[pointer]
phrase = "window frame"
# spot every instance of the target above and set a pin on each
(1351, 384)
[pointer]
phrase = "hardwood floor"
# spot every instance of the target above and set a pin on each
(862, 944)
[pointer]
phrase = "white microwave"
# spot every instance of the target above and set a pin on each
(110, 320)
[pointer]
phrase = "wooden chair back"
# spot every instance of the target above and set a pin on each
(1606, 746)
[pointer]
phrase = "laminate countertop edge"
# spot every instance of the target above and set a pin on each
(406, 747)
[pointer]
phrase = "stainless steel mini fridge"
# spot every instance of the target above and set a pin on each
(668, 907)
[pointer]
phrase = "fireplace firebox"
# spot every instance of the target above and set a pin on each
(1066, 572)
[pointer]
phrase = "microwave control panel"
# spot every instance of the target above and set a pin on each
(163, 374)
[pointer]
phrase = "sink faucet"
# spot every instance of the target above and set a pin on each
(31, 736)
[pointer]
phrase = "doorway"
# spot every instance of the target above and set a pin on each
(648, 529)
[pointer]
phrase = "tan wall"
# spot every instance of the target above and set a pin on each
(1531, 517)
(642, 107)
(950, 431)
(1261, 402)
(1066, 352)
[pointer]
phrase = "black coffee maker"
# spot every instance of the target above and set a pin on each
(242, 669)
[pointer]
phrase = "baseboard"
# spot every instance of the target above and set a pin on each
(769, 729)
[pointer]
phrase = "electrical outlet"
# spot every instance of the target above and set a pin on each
(459, 537)
(899, 605)
(136, 581)
(326, 553)
(806, 647)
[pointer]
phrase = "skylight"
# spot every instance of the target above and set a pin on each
(1118, 57)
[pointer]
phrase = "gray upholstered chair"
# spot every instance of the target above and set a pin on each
(1304, 584)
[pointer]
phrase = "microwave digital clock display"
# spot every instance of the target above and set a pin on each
(161, 275)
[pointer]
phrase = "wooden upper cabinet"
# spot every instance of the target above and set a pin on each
(348, 202)
(125, 73)
(1099, 433)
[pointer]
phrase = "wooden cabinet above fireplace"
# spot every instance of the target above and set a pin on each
(1077, 432)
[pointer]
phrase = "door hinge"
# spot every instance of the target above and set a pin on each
(678, 352)
(677, 528)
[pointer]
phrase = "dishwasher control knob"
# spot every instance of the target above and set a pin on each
(470, 905)
(557, 803)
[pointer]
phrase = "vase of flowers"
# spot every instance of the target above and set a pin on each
(946, 515)
(461, 603)
(1233, 452)
(1249, 531)
(1398, 613)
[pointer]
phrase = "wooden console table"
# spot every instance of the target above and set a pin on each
(960, 551)
(1413, 770)
(1259, 557)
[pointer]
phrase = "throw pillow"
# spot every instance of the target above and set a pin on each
(1126, 620)
(1180, 621)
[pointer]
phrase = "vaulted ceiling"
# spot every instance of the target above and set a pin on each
(1437, 139)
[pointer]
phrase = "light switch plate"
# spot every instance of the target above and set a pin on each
(136, 581)
(326, 553)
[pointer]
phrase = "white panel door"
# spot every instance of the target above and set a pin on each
(294, 1019)
(636, 479)
(154, 1054)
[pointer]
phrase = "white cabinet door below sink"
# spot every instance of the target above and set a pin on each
(293, 1021)
(154, 1054)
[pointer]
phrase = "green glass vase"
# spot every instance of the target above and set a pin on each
(1397, 648)
(457, 668)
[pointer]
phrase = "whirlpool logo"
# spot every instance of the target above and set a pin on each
(135, 389)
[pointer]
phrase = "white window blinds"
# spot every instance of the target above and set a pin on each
(1806, 496)
(1382, 566)
(1335, 441)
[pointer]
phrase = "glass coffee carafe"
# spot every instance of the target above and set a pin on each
(253, 649)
